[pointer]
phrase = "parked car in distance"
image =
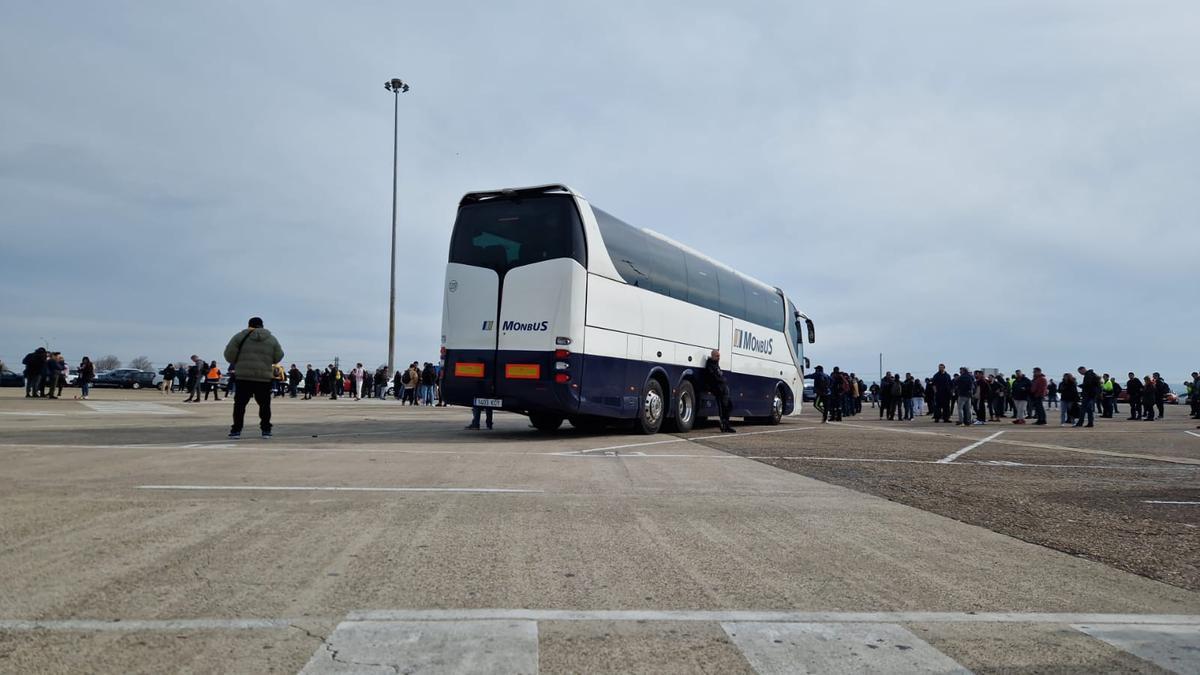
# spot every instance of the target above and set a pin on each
(10, 379)
(1171, 398)
(126, 378)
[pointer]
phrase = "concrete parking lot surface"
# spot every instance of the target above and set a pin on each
(365, 537)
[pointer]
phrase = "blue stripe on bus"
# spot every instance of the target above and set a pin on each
(611, 386)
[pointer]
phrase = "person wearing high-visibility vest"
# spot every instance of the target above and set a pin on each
(1107, 396)
(212, 381)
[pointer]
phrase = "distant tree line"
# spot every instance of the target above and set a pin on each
(111, 362)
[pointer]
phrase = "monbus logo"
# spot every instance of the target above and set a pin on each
(744, 339)
(487, 325)
(518, 326)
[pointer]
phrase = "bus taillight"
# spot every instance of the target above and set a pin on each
(562, 378)
(462, 369)
(522, 371)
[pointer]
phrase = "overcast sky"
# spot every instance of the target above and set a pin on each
(1001, 184)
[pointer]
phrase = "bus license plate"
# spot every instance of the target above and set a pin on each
(489, 403)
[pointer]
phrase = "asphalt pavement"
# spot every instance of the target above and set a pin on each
(366, 537)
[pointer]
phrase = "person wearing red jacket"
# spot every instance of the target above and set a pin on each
(1037, 395)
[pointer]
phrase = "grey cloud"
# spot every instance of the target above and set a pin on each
(995, 183)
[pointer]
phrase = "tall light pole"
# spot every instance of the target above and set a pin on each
(396, 86)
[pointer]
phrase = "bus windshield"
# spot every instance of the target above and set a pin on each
(501, 234)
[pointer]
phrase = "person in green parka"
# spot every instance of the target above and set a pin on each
(253, 353)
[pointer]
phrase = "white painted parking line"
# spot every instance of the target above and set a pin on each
(778, 648)
(120, 625)
(428, 647)
(1176, 648)
(333, 488)
(1192, 433)
(132, 408)
(1162, 501)
(34, 414)
(987, 463)
(721, 616)
(959, 453)
(690, 439)
(895, 430)
(717, 616)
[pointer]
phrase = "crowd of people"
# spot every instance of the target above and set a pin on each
(415, 384)
(970, 398)
(965, 398)
(45, 374)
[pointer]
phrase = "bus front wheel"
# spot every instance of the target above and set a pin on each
(777, 403)
(543, 422)
(653, 409)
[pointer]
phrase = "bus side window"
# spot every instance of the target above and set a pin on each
(733, 296)
(702, 283)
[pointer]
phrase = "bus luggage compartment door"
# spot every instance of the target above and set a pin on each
(542, 303)
(470, 326)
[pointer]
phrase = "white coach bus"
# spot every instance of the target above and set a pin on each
(557, 310)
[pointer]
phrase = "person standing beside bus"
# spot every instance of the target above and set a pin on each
(821, 388)
(714, 381)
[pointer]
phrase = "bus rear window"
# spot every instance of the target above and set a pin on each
(501, 234)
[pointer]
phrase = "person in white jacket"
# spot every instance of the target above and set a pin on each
(358, 373)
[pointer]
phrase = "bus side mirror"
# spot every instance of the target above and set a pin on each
(812, 331)
(807, 363)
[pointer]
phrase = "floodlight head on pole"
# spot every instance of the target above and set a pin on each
(395, 85)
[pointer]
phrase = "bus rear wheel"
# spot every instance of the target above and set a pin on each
(685, 409)
(653, 409)
(545, 422)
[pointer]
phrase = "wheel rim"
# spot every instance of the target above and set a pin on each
(684, 413)
(653, 407)
(777, 406)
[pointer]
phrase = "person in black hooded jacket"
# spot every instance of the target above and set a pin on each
(714, 381)
(1134, 387)
(1089, 389)
(1068, 391)
(35, 363)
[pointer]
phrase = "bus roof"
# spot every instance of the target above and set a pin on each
(559, 188)
(472, 197)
